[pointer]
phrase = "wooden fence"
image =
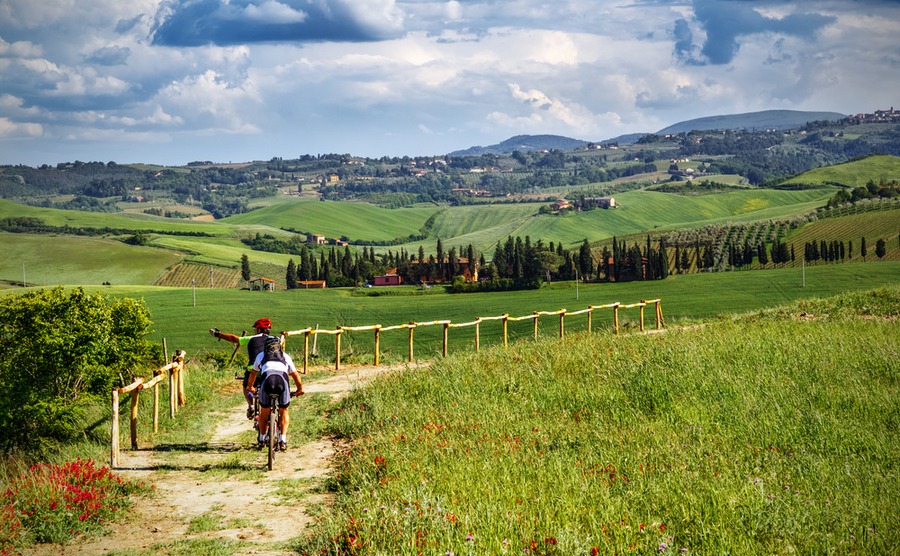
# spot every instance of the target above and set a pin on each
(174, 372)
(447, 325)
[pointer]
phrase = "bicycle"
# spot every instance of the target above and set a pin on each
(273, 431)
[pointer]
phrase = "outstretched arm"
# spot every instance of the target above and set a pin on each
(216, 333)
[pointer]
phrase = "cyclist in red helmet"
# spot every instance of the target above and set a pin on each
(269, 376)
(255, 345)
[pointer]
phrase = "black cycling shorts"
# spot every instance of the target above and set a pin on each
(275, 384)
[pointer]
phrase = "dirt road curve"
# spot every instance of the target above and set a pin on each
(206, 491)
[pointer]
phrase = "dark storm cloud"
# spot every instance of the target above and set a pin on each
(203, 22)
(684, 39)
(725, 21)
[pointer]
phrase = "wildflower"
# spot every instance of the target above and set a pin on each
(755, 480)
(683, 550)
(470, 538)
(662, 547)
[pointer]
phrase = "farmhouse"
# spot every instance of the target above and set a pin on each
(390, 279)
(561, 205)
(316, 239)
(600, 202)
(262, 284)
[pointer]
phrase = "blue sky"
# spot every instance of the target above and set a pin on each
(174, 81)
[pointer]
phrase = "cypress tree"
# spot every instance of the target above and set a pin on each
(245, 268)
(290, 277)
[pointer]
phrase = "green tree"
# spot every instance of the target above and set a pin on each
(880, 248)
(290, 277)
(863, 250)
(245, 268)
(585, 261)
(60, 353)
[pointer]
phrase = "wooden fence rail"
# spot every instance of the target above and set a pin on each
(447, 325)
(174, 373)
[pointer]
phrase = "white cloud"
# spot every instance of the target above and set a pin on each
(209, 103)
(10, 129)
(19, 49)
(436, 75)
(274, 12)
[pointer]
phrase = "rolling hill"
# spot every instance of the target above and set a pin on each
(766, 119)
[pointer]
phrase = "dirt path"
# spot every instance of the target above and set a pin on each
(205, 491)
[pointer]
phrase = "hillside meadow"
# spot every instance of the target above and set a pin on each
(773, 433)
(877, 169)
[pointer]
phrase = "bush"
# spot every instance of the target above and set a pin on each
(58, 352)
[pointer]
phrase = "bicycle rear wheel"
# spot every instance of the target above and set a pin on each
(273, 434)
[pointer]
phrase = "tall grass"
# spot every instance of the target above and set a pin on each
(771, 433)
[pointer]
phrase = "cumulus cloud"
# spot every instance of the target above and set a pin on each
(412, 76)
(209, 102)
(11, 129)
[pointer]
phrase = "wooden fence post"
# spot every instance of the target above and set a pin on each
(114, 446)
(505, 327)
(337, 349)
(377, 342)
(156, 404)
(135, 394)
(658, 315)
(562, 323)
(589, 315)
(477, 334)
(535, 325)
(643, 304)
(173, 395)
(446, 329)
(306, 351)
(412, 327)
(616, 317)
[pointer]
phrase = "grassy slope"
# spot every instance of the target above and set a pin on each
(79, 260)
(127, 221)
(336, 219)
(879, 168)
(638, 211)
(768, 435)
(870, 225)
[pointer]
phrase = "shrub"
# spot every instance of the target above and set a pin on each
(58, 352)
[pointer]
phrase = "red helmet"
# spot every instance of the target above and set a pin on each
(263, 323)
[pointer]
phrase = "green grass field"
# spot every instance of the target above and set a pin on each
(48, 260)
(337, 219)
(878, 169)
(183, 315)
(125, 221)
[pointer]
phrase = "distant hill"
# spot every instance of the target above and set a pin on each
(525, 143)
(759, 121)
